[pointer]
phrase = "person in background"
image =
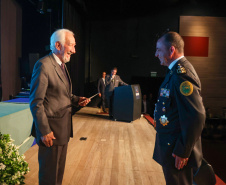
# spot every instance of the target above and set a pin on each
(208, 113)
(151, 104)
(112, 80)
(179, 114)
(101, 90)
(51, 99)
(145, 105)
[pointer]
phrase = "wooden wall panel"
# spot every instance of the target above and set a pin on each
(11, 34)
(211, 69)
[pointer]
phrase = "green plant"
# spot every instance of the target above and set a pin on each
(13, 167)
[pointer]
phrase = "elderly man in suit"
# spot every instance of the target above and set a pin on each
(101, 90)
(179, 114)
(50, 104)
(112, 81)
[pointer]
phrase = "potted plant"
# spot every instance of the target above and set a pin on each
(13, 167)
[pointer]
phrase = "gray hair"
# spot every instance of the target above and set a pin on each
(58, 35)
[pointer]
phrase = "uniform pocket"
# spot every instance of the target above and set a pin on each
(166, 145)
(167, 139)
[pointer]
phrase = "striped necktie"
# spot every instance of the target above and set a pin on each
(64, 71)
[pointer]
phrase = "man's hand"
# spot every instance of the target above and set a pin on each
(83, 101)
(112, 77)
(99, 94)
(180, 162)
(48, 139)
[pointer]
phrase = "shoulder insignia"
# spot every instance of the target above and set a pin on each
(186, 88)
(180, 69)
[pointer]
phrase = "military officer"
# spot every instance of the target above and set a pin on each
(179, 113)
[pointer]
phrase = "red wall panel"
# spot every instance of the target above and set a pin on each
(196, 46)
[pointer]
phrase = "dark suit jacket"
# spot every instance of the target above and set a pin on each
(51, 100)
(112, 83)
(101, 86)
(185, 113)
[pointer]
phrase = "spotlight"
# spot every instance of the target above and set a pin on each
(40, 7)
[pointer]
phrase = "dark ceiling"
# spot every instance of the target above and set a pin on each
(118, 9)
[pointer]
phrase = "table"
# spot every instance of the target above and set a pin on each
(16, 120)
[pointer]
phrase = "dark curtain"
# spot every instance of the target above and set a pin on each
(75, 22)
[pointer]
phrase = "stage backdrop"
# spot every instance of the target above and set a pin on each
(205, 46)
(73, 20)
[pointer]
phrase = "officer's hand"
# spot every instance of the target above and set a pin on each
(180, 162)
(48, 139)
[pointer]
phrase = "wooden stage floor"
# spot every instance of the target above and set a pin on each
(115, 153)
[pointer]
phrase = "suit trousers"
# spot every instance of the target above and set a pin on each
(51, 164)
(174, 176)
(103, 101)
